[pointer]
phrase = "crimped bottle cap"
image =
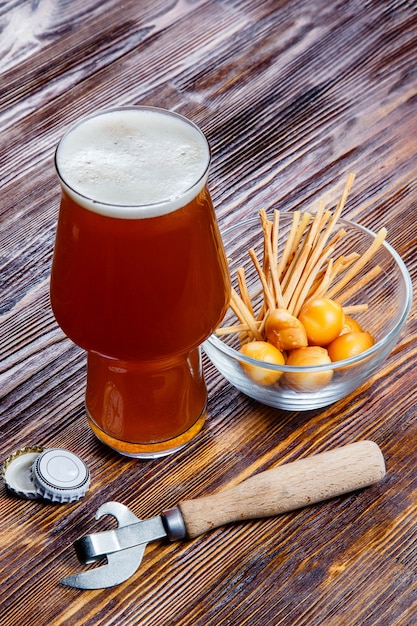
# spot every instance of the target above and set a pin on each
(54, 474)
(17, 472)
(60, 475)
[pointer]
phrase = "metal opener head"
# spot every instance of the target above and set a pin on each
(120, 565)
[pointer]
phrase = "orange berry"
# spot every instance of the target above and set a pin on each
(307, 357)
(350, 326)
(349, 344)
(266, 352)
(285, 331)
(322, 319)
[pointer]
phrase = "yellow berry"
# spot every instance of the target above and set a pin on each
(349, 344)
(266, 352)
(307, 357)
(350, 326)
(322, 319)
(285, 331)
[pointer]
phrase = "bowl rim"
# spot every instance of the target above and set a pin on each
(236, 355)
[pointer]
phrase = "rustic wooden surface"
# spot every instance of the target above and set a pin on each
(293, 94)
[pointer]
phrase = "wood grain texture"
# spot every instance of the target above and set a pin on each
(293, 95)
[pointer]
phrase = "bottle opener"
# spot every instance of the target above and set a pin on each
(285, 488)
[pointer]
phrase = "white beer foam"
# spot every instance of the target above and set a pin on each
(133, 162)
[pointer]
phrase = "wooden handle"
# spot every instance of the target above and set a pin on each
(288, 487)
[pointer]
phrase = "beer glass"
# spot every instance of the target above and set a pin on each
(139, 277)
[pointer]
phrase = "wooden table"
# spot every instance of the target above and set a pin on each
(293, 95)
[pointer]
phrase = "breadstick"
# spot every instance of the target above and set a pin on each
(270, 265)
(244, 293)
(242, 313)
(294, 253)
(235, 328)
(366, 278)
(355, 308)
(267, 292)
(360, 263)
(288, 244)
(306, 269)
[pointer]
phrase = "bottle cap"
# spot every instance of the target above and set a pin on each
(54, 474)
(17, 472)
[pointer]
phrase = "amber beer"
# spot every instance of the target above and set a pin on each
(139, 277)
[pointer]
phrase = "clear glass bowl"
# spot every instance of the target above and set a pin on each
(388, 296)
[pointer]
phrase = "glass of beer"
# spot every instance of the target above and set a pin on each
(139, 276)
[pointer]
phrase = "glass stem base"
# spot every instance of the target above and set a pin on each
(146, 409)
(148, 450)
